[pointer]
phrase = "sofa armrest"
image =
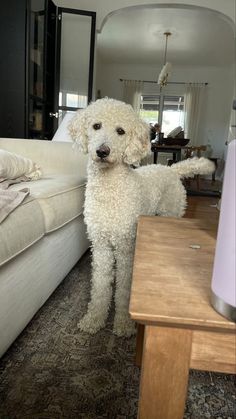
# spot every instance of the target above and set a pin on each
(52, 157)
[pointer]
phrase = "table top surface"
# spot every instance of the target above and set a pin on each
(172, 280)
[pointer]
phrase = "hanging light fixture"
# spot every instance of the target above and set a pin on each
(166, 69)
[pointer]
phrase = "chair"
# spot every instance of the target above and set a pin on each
(192, 151)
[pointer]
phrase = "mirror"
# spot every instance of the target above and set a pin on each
(76, 53)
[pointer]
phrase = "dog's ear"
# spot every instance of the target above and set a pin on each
(139, 143)
(78, 129)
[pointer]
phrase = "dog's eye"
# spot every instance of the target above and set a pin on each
(97, 126)
(120, 131)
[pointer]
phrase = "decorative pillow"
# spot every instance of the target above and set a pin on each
(62, 133)
(13, 166)
(174, 132)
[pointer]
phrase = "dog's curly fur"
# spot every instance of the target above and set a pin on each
(116, 194)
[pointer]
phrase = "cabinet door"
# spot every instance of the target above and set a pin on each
(76, 37)
(41, 85)
(13, 69)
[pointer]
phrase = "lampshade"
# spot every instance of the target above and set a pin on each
(164, 74)
(223, 281)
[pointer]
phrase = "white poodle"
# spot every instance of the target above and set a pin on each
(116, 194)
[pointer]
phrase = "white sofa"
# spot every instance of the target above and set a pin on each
(43, 238)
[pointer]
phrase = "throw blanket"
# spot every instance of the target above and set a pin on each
(14, 169)
(9, 199)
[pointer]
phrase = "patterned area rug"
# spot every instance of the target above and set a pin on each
(53, 371)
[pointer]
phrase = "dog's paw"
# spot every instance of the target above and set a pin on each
(124, 326)
(91, 324)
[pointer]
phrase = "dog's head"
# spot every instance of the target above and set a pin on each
(111, 132)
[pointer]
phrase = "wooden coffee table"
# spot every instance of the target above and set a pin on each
(170, 299)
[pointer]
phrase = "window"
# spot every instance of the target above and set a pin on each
(173, 113)
(167, 110)
(149, 108)
(69, 103)
(76, 101)
(72, 100)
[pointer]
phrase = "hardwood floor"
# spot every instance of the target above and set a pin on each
(203, 207)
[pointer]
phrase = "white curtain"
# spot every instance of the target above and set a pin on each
(194, 100)
(132, 93)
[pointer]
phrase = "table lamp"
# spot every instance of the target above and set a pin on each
(223, 290)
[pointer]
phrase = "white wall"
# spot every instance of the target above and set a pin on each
(219, 93)
(104, 7)
(75, 53)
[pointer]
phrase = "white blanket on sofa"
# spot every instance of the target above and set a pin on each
(14, 169)
(10, 199)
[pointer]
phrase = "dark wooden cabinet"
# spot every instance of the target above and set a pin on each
(47, 58)
(13, 68)
(27, 68)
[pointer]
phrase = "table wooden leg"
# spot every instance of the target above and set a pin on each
(155, 156)
(179, 155)
(164, 376)
(198, 182)
(139, 345)
(215, 161)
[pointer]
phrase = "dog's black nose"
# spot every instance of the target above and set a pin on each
(103, 151)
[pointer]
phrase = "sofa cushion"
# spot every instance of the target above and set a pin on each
(61, 198)
(62, 205)
(22, 228)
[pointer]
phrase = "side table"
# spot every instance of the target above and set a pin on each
(175, 150)
(170, 300)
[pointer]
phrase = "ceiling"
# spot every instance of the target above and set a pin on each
(199, 37)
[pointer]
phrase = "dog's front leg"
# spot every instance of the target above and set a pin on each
(123, 325)
(101, 291)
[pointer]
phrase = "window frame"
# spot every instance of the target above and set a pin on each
(161, 99)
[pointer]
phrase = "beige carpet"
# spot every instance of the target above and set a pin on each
(53, 371)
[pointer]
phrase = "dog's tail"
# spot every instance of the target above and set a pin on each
(193, 166)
